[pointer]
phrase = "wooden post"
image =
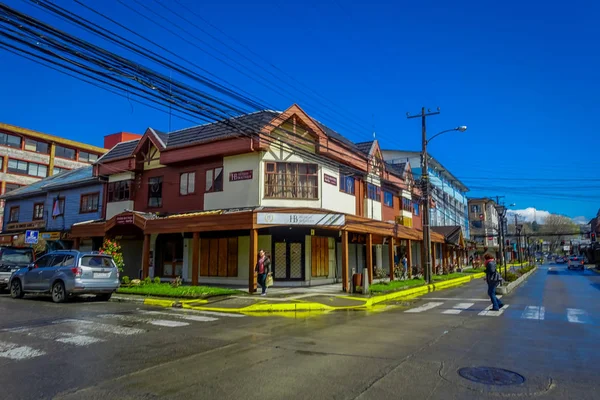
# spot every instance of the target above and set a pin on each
(409, 257)
(146, 257)
(370, 256)
(195, 257)
(423, 255)
(391, 246)
(76, 242)
(253, 258)
(345, 261)
(434, 258)
(444, 257)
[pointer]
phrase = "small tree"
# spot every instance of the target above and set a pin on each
(112, 248)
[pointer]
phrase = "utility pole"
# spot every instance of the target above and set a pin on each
(518, 232)
(426, 200)
(502, 217)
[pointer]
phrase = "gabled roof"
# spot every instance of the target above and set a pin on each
(396, 169)
(452, 234)
(123, 149)
(365, 147)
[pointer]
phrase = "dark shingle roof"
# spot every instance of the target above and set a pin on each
(122, 149)
(396, 168)
(164, 137)
(66, 178)
(365, 147)
(451, 233)
(333, 134)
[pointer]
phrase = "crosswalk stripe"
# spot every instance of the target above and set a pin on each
(62, 337)
(488, 312)
(15, 352)
(458, 308)
(577, 316)
(197, 318)
(534, 312)
(151, 321)
(424, 307)
(84, 326)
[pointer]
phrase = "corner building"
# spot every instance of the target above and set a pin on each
(201, 202)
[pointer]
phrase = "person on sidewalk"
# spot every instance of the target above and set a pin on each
(493, 279)
(405, 267)
(263, 267)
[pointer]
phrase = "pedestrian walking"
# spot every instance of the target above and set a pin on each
(493, 279)
(263, 268)
(405, 267)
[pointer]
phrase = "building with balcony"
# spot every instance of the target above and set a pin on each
(199, 203)
(27, 156)
(485, 224)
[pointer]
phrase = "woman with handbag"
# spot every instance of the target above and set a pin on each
(263, 267)
(493, 279)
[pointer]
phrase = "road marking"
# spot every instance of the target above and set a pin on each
(84, 326)
(216, 314)
(197, 318)
(488, 312)
(424, 307)
(151, 321)
(79, 340)
(577, 316)
(534, 312)
(457, 299)
(458, 308)
(16, 352)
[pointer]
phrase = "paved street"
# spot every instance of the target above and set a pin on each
(548, 334)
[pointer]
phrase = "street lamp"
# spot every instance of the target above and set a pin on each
(425, 177)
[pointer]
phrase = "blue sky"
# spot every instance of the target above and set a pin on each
(523, 77)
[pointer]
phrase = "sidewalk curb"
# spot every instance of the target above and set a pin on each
(513, 285)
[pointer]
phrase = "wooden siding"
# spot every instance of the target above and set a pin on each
(320, 256)
(221, 148)
(115, 166)
(219, 257)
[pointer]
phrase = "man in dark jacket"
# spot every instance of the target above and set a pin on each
(493, 279)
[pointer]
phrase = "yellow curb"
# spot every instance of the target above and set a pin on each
(158, 302)
(594, 270)
(203, 301)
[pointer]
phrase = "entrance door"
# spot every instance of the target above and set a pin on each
(288, 260)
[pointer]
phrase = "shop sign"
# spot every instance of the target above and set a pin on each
(332, 180)
(16, 226)
(50, 235)
(124, 219)
(301, 219)
(240, 175)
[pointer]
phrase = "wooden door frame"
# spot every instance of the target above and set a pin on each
(287, 260)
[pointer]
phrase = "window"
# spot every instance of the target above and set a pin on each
(407, 205)
(187, 183)
(388, 198)
(58, 170)
(38, 211)
(477, 224)
(292, 180)
(10, 187)
(14, 214)
(475, 208)
(58, 207)
(84, 156)
(89, 203)
(347, 184)
(214, 180)
(10, 140)
(155, 191)
(373, 192)
(64, 152)
(416, 208)
(119, 191)
(34, 145)
(28, 168)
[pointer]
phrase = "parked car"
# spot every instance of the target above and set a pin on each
(13, 259)
(576, 262)
(560, 260)
(67, 272)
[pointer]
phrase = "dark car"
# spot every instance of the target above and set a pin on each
(13, 259)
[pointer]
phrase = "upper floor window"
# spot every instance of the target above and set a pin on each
(155, 191)
(58, 207)
(14, 214)
(84, 156)
(477, 224)
(373, 192)
(214, 180)
(475, 208)
(347, 184)
(64, 152)
(118, 191)
(291, 180)
(416, 208)
(388, 198)
(28, 168)
(187, 183)
(9, 187)
(89, 202)
(38, 211)
(38, 147)
(58, 170)
(10, 140)
(407, 204)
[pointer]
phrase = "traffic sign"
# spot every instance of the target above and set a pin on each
(31, 237)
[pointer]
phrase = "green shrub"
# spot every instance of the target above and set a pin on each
(147, 280)
(511, 277)
(126, 280)
(157, 279)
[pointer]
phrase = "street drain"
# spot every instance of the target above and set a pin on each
(491, 376)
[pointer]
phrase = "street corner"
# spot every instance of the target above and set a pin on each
(161, 303)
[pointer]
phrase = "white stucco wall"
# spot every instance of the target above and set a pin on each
(117, 207)
(331, 197)
(237, 194)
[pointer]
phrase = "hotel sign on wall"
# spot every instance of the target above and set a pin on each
(240, 176)
(301, 219)
(124, 219)
(332, 180)
(25, 225)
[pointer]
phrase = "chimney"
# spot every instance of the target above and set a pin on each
(111, 140)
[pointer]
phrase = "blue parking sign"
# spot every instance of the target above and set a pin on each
(31, 237)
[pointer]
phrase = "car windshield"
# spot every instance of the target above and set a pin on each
(97, 261)
(16, 256)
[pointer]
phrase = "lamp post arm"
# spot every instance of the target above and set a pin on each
(438, 134)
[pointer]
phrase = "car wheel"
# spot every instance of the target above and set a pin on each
(16, 290)
(59, 294)
(103, 297)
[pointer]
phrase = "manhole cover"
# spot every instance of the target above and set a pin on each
(491, 376)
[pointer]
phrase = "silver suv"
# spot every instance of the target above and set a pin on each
(69, 272)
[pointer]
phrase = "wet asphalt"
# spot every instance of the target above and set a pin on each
(548, 336)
